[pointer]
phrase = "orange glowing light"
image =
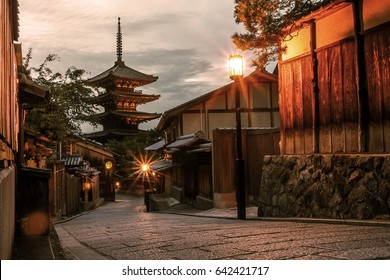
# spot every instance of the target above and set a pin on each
(145, 167)
(36, 223)
(236, 66)
(87, 186)
(108, 165)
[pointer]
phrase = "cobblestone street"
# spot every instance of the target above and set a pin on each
(123, 230)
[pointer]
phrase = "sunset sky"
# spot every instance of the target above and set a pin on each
(185, 43)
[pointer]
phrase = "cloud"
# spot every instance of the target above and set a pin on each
(185, 43)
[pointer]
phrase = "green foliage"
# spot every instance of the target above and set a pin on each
(268, 22)
(131, 147)
(68, 107)
(132, 150)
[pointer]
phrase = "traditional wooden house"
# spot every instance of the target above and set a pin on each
(334, 81)
(101, 159)
(9, 124)
(259, 103)
(191, 170)
(203, 175)
(17, 93)
(334, 87)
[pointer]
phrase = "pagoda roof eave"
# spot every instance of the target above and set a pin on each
(106, 96)
(114, 132)
(131, 114)
(121, 71)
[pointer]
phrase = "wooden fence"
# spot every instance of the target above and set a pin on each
(73, 195)
(256, 143)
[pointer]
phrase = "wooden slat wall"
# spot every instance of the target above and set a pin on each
(377, 48)
(223, 161)
(350, 100)
(338, 98)
(8, 90)
(296, 101)
(256, 143)
(324, 101)
(205, 176)
(72, 195)
(286, 90)
(308, 103)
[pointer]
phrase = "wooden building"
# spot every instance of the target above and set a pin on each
(334, 87)
(203, 174)
(100, 158)
(17, 93)
(9, 123)
(191, 170)
(216, 109)
(334, 81)
(121, 98)
(256, 143)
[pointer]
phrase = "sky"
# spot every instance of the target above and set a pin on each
(185, 43)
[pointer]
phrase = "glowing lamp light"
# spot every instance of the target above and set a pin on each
(145, 167)
(236, 66)
(87, 186)
(108, 165)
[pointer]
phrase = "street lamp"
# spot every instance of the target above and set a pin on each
(145, 167)
(236, 72)
(109, 191)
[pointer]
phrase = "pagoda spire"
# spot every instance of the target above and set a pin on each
(120, 100)
(119, 42)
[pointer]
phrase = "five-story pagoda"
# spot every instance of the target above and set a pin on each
(120, 99)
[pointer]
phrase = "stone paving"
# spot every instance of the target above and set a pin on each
(123, 230)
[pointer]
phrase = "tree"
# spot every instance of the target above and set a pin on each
(69, 104)
(268, 23)
(134, 146)
(132, 150)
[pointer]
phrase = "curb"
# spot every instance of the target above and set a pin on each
(372, 223)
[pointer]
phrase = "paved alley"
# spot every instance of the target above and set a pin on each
(123, 230)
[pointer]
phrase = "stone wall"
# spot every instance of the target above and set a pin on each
(326, 186)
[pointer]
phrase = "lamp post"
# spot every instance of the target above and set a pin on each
(236, 72)
(109, 192)
(145, 168)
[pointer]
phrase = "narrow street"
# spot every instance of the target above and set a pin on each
(123, 230)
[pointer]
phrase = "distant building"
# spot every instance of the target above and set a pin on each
(200, 141)
(120, 100)
(216, 109)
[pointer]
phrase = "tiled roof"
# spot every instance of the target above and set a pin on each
(188, 140)
(131, 114)
(156, 146)
(73, 160)
(120, 70)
